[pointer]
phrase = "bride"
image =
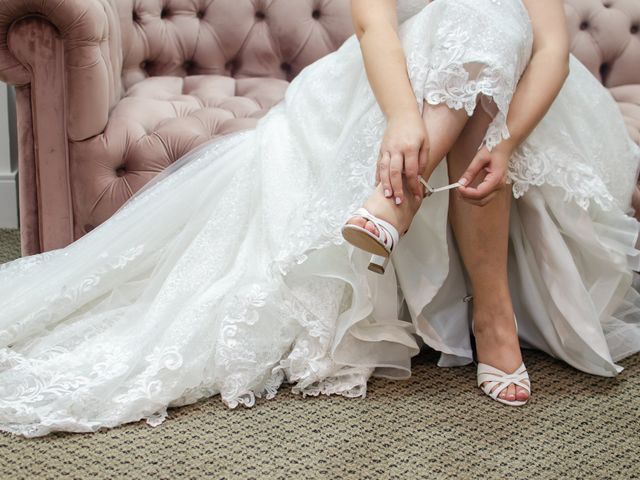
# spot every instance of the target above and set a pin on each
(229, 274)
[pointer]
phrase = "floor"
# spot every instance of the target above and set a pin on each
(437, 424)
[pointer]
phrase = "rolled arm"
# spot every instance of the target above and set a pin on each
(91, 51)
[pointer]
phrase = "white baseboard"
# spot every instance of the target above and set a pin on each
(8, 200)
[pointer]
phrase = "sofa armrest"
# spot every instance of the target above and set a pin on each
(90, 51)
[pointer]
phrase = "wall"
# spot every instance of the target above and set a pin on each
(8, 160)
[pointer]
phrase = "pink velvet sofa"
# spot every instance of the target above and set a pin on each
(110, 92)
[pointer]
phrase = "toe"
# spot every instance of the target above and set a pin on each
(357, 221)
(371, 227)
(512, 392)
(521, 393)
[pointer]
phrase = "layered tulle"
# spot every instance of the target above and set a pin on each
(227, 274)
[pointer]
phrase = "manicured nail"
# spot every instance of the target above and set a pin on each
(387, 192)
(462, 181)
(398, 200)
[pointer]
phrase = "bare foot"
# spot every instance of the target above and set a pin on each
(497, 341)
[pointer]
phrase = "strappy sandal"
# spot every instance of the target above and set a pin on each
(381, 245)
(489, 377)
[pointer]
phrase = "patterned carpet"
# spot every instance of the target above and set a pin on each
(436, 424)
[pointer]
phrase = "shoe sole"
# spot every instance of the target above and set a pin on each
(364, 241)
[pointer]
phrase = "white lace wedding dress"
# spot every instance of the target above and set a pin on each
(227, 274)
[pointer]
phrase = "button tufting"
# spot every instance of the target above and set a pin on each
(634, 29)
(315, 14)
(188, 65)
(584, 25)
(260, 15)
(120, 171)
(200, 14)
(285, 66)
(604, 70)
(164, 13)
(135, 17)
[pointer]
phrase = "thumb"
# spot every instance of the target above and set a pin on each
(472, 170)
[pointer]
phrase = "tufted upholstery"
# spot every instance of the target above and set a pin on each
(606, 38)
(110, 92)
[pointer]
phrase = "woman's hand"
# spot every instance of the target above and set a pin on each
(494, 164)
(404, 149)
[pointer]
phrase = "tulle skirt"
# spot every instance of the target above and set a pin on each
(227, 273)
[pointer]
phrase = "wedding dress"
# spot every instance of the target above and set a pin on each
(227, 273)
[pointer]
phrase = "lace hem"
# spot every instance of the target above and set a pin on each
(446, 75)
(445, 78)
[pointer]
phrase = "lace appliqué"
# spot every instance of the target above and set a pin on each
(68, 298)
(443, 76)
(552, 166)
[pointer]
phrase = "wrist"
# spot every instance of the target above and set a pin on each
(403, 112)
(507, 146)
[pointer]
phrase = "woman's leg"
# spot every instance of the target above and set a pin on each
(444, 126)
(482, 235)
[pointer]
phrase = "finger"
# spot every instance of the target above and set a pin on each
(482, 202)
(474, 168)
(490, 183)
(378, 167)
(384, 174)
(395, 173)
(411, 167)
(423, 157)
(476, 203)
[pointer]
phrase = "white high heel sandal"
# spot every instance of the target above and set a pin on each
(381, 245)
(489, 377)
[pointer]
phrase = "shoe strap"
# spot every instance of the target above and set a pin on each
(391, 236)
(491, 376)
(429, 190)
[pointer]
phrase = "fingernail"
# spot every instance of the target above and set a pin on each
(417, 197)
(462, 181)
(398, 200)
(387, 192)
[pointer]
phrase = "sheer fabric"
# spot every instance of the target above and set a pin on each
(227, 274)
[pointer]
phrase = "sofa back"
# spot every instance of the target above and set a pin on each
(238, 38)
(606, 38)
(278, 38)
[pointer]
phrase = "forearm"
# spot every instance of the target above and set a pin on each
(538, 87)
(386, 69)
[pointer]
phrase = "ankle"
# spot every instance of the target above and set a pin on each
(495, 319)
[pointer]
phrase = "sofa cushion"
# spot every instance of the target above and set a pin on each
(158, 121)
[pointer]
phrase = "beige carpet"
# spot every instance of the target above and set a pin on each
(437, 424)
